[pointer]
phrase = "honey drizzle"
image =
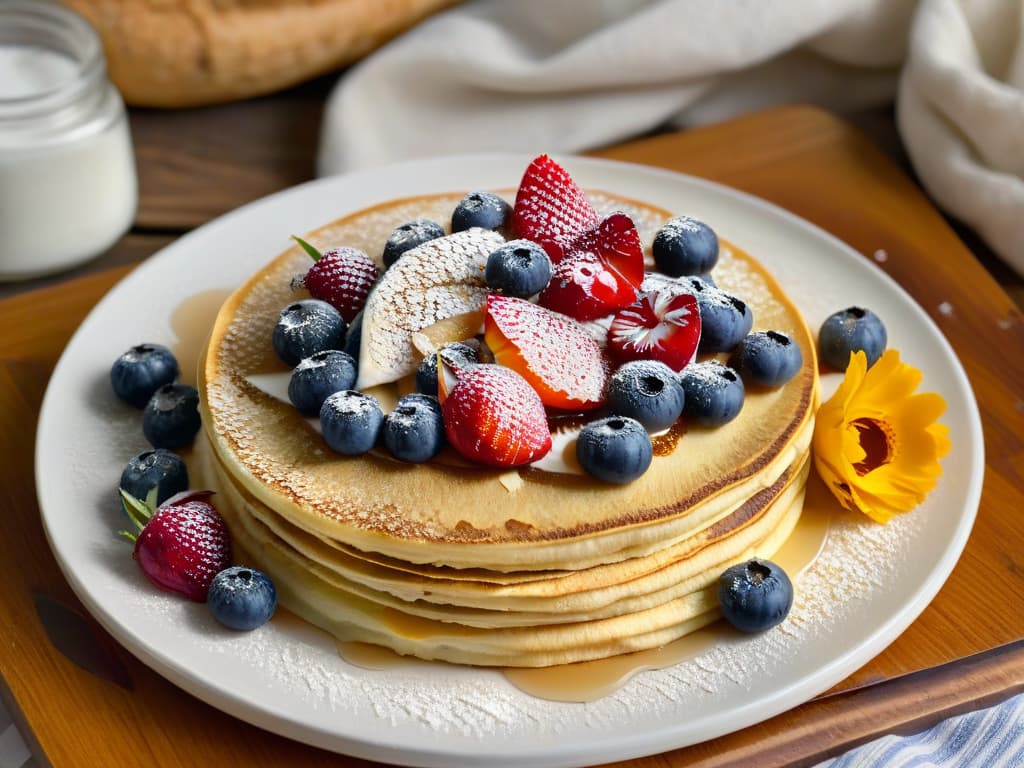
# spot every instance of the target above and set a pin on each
(192, 322)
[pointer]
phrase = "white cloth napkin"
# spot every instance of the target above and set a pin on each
(571, 75)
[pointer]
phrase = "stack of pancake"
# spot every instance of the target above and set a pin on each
(530, 567)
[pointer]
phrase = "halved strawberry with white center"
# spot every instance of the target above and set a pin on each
(599, 272)
(341, 276)
(554, 353)
(663, 324)
(493, 416)
(550, 209)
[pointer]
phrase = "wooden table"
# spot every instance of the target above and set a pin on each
(83, 700)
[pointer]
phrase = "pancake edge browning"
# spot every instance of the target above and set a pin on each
(638, 530)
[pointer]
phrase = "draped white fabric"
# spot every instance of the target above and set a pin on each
(569, 75)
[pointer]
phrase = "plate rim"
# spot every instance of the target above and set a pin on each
(620, 749)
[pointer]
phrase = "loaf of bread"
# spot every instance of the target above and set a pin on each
(176, 53)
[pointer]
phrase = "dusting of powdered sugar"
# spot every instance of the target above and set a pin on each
(858, 561)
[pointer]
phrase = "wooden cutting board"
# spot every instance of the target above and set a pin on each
(85, 701)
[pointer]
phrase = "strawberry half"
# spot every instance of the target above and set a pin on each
(550, 209)
(663, 324)
(182, 544)
(554, 353)
(492, 416)
(599, 272)
(341, 276)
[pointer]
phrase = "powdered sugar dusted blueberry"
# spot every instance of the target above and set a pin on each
(306, 327)
(242, 598)
(725, 319)
(615, 449)
(407, 236)
(171, 417)
(648, 391)
(519, 268)
(317, 377)
(767, 358)
(850, 330)
(714, 393)
(414, 430)
(351, 421)
(685, 246)
(159, 469)
(480, 209)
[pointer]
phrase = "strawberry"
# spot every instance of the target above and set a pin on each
(182, 544)
(341, 276)
(599, 272)
(550, 209)
(492, 416)
(663, 324)
(554, 353)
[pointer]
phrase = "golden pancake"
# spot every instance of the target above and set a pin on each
(510, 639)
(470, 517)
(447, 560)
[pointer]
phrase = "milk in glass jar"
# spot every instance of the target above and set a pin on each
(68, 188)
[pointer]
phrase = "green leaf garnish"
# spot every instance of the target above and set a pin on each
(314, 254)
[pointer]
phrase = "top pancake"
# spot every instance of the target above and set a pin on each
(447, 513)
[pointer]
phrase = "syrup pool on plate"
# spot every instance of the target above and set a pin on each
(592, 680)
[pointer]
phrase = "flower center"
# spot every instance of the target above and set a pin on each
(875, 439)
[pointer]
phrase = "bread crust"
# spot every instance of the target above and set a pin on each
(178, 53)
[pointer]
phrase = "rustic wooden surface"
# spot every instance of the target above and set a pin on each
(85, 701)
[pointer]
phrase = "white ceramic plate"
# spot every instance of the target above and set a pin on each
(288, 678)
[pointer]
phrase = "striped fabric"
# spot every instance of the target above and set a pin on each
(989, 738)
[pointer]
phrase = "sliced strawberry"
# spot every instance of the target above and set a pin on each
(341, 276)
(554, 353)
(663, 324)
(599, 273)
(182, 544)
(550, 209)
(492, 416)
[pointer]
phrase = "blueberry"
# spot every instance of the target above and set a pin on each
(480, 209)
(414, 430)
(408, 236)
(724, 319)
(648, 391)
(767, 358)
(351, 422)
(306, 327)
(354, 337)
(850, 330)
(171, 417)
(714, 393)
(616, 449)
(160, 469)
(755, 596)
(685, 246)
(242, 598)
(318, 376)
(458, 353)
(519, 268)
(141, 371)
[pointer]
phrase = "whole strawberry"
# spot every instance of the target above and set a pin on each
(341, 276)
(493, 416)
(182, 544)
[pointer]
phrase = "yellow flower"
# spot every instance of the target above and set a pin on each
(876, 444)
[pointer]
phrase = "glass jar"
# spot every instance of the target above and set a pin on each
(68, 188)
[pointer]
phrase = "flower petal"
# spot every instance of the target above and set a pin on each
(877, 444)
